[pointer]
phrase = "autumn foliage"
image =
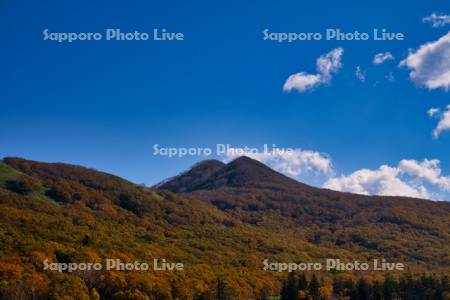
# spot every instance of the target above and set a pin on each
(221, 233)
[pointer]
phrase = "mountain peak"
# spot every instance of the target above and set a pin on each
(243, 172)
(245, 160)
(208, 164)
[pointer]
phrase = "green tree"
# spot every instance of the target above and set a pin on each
(314, 286)
(284, 291)
(363, 290)
(292, 287)
(389, 288)
(377, 291)
(302, 282)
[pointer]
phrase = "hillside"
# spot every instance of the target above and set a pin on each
(397, 228)
(230, 219)
(193, 178)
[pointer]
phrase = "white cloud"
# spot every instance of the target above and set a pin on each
(409, 178)
(437, 20)
(428, 170)
(330, 63)
(444, 122)
(360, 74)
(382, 57)
(326, 65)
(433, 111)
(294, 163)
(383, 181)
(430, 64)
(302, 82)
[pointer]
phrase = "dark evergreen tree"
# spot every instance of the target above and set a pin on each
(354, 293)
(221, 290)
(284, 291)
(292, 287)
(407, 288)
(377, 291)
(389, 288)
(302, 282)
(363, 290)
(314, 288)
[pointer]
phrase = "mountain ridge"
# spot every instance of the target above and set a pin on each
(245, 172)
(242, 172)
(64, 212)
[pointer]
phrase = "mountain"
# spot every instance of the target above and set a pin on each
(242, 172)
(190, 180)
(228, 219)
(396, 228)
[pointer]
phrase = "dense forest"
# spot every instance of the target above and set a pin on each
(221, 221)
(299, 287)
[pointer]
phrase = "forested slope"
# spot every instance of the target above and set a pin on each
(221, 231)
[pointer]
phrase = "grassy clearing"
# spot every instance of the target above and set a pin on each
(6, 173)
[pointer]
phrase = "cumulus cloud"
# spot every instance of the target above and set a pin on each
(430, 64)
(428, 170)
(383, 181)
(444, 120)
(409, 178)
(437, 20)
(326, 66)
(360, 74)
(382, 57)
(291, 163)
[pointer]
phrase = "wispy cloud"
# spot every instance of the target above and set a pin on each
(433, 111)
(360, 74)
(437, 20)
(444, 120)
(326, 66)
(382, 57)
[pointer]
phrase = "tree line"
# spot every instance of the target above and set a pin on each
(408, 287)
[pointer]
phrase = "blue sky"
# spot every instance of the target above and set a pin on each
(104, 104)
